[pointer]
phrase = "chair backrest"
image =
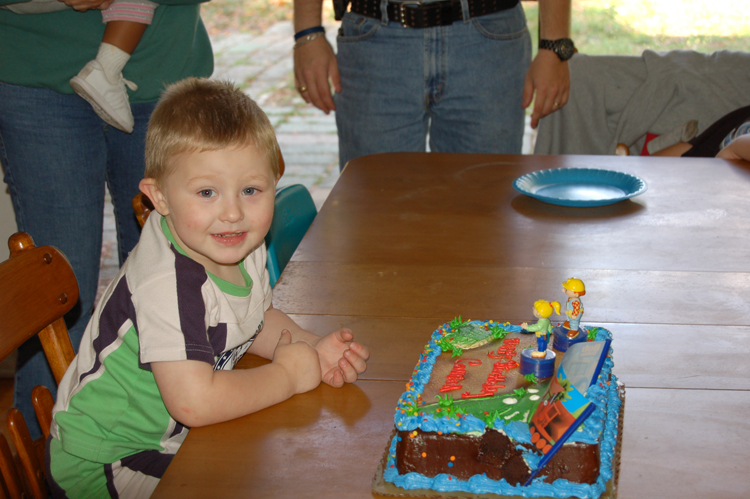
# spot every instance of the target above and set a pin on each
(142, 206)
(39, 288)
(292, 216)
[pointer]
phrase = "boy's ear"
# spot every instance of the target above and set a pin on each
(150, 188)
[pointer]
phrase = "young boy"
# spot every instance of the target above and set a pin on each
(192, 297)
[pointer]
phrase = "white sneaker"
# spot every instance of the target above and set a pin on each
(109, 100)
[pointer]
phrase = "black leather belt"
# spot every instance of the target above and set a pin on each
(416, 14)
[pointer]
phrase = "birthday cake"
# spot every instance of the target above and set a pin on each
(475, 417)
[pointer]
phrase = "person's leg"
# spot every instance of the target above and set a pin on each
(53, 154)
(479, 69)
(125, 35)
(381, 107)
(125, 169)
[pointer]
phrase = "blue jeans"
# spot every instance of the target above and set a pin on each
(57, 155)
(462, 84)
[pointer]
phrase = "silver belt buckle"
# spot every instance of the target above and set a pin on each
(402, 6)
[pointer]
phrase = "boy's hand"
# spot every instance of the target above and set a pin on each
(341, 358)
(300, 361)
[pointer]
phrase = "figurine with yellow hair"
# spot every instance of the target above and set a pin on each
(574, 289)
(543, 328)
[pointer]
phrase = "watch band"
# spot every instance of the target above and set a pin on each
(563, 47)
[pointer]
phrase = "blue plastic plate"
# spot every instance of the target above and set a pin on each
(580, 186)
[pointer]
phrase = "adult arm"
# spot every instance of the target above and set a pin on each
(84, 5)
(315, 66)
(548, 77)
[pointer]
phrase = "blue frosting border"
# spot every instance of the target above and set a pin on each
(601, 426)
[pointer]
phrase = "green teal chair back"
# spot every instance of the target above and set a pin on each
(292, 216)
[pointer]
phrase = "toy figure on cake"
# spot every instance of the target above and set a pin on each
(574, 289)
(540, 362)
(543, 327)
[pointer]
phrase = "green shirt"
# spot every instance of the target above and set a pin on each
(47, 50)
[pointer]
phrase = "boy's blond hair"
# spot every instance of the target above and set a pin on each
(199, 114)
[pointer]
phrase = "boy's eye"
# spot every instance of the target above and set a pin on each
(206, 193)
(249, 191)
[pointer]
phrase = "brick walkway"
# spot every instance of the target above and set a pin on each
(262, 65)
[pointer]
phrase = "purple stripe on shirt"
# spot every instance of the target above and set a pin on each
(217, 335)
(190, 277)
(149, 462)
(109, 474)
(118, 309)
(178, 428)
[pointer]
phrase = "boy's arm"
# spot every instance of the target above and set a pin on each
(739, 148)
(341, 358)
(196, 395)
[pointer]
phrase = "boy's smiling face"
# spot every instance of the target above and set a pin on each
(218, 204)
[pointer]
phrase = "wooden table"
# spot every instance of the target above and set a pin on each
(406, 242)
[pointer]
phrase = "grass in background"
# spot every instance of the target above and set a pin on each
(628, 27)
(614, 27)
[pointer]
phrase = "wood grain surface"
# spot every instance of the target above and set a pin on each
(406, 242)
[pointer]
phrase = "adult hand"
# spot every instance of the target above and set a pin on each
(314, 64)
(549, 78)
(341, 358)
(84, 5)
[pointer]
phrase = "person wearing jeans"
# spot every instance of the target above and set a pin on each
(57, 154)
(458, 72)
(58, 197)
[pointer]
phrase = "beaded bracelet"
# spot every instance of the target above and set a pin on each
(308, 31)
(308, 38)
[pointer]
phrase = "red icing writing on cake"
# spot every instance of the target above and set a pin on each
(497, 377)
(507, 350)
(457, 374)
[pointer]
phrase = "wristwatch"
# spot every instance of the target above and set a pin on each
(564, 47)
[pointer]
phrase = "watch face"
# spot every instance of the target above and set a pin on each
(563, 47)
(566, 49)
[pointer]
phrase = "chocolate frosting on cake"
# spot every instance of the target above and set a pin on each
(493, 454)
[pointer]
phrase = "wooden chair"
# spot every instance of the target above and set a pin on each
(39, 288)
(142, 206)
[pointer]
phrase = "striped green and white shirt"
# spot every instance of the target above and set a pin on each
(162, 306)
